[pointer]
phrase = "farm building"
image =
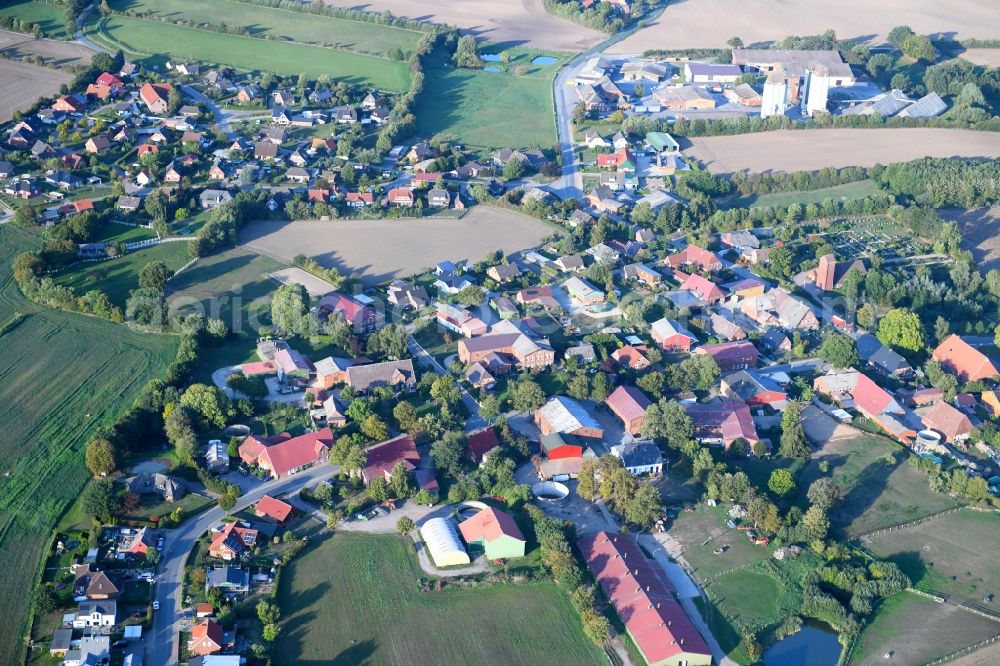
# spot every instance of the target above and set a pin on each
(381, 458)
(495, 531)
(696, 72)
(283, 454)
(671, 335)
(645, 601)
(629, 404)
(441, 538)
(566, 416)
(731, 356)
(963, 360)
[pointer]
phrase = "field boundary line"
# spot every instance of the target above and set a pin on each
(912, 523)
(955, 655)
(333, 18)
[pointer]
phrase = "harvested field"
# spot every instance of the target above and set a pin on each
(939, 559)
(524, 22)
(379, 250)
(988, 656)
(918, 630)
(983, 57)
(14, 45)
(980, 233)
(21, 84)
(709, 23)
(810, 150)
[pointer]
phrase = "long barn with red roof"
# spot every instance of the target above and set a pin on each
(644, 599)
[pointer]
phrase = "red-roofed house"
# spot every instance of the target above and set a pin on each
(731, 356)
(364, 318)
(206, 638)
(154, 96)
(274, 509)
(644, 599)
(496, 531)
(871, 400)
(962, 359)
(705, 288)
(381, 458)
(722, 422)
(481, 443)
(232, 542)
(622, 159)
(401, 196)
(693, 255)
(629, 404)
(945, 419)
(630, 357)
(283, 454)
(141, 542)
(671, 335)
(107, 80)
(69, 104)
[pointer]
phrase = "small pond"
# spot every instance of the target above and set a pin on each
(815, 644)
(491, 69)
(544, 60)
(490, 57)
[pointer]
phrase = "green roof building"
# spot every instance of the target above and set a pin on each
(496, 531)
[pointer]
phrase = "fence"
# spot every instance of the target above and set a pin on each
(968, 650)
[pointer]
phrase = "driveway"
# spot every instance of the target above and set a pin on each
(475, 421)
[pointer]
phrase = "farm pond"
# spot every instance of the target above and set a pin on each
(815, 644)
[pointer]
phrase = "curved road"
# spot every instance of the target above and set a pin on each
(162, 642)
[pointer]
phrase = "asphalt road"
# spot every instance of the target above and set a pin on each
(475, 421)
(162, 643)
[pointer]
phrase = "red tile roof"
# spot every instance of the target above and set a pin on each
(642, 596)
(727, 420)
(947, 420)
(151, 93)
(381, 458)
(693, 254)
(704, 287)
(274, 508)
(961, 358)
(482, 442)
(206, 637)
(489, 525)
(628, 403)
(108, 80)
(284, 453)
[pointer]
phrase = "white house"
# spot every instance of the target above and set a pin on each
(96, 614)
(639, 458)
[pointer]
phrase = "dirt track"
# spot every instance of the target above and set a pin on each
(709, 23)
(809, 150)
(521, 22)
(21, 84)
(379, 250)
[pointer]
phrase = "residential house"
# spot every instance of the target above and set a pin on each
(231, 580)
(281, 455)
(745, 288)
(952, 424)
(581, 291)
(570, 263)
(743, 239)
(480, 444)
(645, 601)
(496, 532)
(707, 291)
(359, 199)
(774, 340)
(334, 412)
(209, 199)
(497, 350)
(362, 317)
(98, 145)
(640, 458)
(460, 320)
(963, 360)
(297, 175)
(853, 389)
(438, 198)
(405, 295)
(96, 614)
(169, 488)
(642, 273)
(274, 509)
(724, 329)
(671, 335)
(779, 308)
(504, 306)
(584, 353)
(722, 422)
(622, 160)
(452, 283)
(382, 458)
(695, 257)
(232, 541)
(754, 388)
(401, 196)
(879, 357)
(102, 586)
(503, 272)
(206, 638)
(566, 416)
(265, 150)
(217, 457)
(731, 356)
(395, 374)
(93, 650)
(632, 358)
(155, 97)
(580, 217)
(629, 404)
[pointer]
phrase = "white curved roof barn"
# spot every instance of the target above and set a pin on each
(442, 541)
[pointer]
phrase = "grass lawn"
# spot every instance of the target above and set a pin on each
(259, 21)
(121, 233)
(232, 285)
(754, 593)
(845, 192)
(48, 16)
(918, 630)
(877, 494)
(723, 631)
(152, 43)
(66, 375)
(490, 109)
(708, 524)
(354, 599)
(117, 277)
(952, 555)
